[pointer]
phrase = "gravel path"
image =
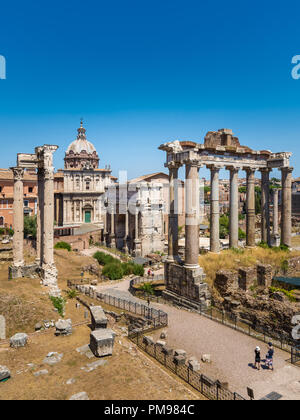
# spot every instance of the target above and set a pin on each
(232, 352)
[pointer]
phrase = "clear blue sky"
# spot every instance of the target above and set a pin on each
(144, 72)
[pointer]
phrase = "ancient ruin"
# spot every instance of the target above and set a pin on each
(42, 161)
(221, 149)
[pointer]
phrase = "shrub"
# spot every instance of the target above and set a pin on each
(30, 226)
(242, 234)
(288, 294)
(104, 259)
(147, 288)
(59, 304)
(72, 293)
(113, 271)
(138, 270)
(63, 245)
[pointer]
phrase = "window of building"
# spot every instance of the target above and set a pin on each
(1, 221)
(1, 189)
(30, 189)
(87, 185)
(26, 203)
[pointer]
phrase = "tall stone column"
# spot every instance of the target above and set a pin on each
(275, 212)
(48, 265)
(137, 241)
(112, 228)
(192, 215)
(234, 208)
(173, 213)
(286, 206)
(125, 247)
(18, 210)
(250, 207)
(214, 210)
(265, 206)
(40, 216)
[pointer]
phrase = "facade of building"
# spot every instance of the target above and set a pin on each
(7, 196)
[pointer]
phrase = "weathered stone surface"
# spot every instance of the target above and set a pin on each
(179, 360)
(99, 319)
(81, 396)
(148, 340)
(63, 327)
(102, 342)
(160, 343)
(53, 358)
(92, 366)
(226, 281)
(206, 358)
(193, 364)
(264, 275)
(38, 326)
(19, 340)
(167, 351)
(247, 277)
(179, 352)
(41, 372)
(2, 328)
(4, 373)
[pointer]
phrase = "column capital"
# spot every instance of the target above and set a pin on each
(287, 169)
(193, 162)
(18, 173)
(265, 170)
(234, 169)
(213, 167)
(249, 170)
(173, 165)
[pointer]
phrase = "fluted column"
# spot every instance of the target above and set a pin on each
(234, 208)
(275, 212)
(265, 206)
(173, 213)
(286, 206)
(18, 211)
(192, 214)
(250, 207)
(214, 210)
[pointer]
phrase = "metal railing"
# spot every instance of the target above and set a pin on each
(295, 355)
(213, 390)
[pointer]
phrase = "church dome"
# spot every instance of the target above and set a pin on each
(81, 154)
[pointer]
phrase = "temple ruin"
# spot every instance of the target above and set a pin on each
(42, 161)
(221, 149)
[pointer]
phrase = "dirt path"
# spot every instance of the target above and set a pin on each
(232, 352)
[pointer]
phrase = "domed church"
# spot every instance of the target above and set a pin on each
(80, 186)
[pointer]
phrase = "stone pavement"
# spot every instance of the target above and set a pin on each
(232, 352)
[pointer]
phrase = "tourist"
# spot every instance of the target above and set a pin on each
(257, 358)
(269, 357)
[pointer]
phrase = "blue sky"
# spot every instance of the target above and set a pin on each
(141, 73)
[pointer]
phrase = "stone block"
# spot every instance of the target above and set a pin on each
(148, 340)
(193, 364)
(99, 319)
(160, 343)
(63, 327)
(19, 340)
(180, 352)
(167, 351)
(264, 275)
(81, 396)
(179, 360)
(102, 342)
(2, 328)
(247, 277)
(4, 373)
(206, 358)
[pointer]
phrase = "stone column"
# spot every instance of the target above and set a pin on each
(275, 212)
(286, 206)
(137, 241)
(40, 218)
(265, 206)
(250, 207)
(112, 228)
(173, 213)
(18, 211)
(125, 247)
(49, 269)
(192, 215)
(234, 208)
(214, 210)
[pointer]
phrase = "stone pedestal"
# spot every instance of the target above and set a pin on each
(186, 286)
(102, 342)
(99, 319)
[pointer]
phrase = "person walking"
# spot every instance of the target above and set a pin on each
(270, 356)
(257, 358)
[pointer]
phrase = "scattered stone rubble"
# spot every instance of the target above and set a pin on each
(4, 373)
(19, 340)
(81, 396)
(63, 327)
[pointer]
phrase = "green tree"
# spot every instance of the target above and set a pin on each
(30, 226)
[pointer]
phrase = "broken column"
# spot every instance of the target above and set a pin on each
(18, 210)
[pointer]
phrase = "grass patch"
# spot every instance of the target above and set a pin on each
(289, 294)
(59, 304)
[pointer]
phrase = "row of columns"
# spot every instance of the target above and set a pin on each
(192, 209)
